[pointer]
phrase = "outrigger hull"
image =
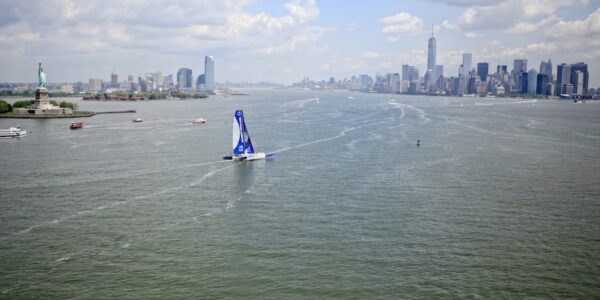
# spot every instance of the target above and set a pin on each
(248, 157)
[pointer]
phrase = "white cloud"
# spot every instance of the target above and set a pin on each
(589, 28)
(512, 16)
(400, 24)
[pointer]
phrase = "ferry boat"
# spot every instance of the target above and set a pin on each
(12, 132)
(198, 121)
(76, 125)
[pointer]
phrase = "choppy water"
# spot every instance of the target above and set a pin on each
(501, 200)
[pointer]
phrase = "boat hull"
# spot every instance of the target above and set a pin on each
(249, 157)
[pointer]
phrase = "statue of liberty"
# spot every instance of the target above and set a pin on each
(41, 77)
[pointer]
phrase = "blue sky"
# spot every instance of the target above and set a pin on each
(283, 41)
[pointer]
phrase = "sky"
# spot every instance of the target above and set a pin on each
(285, 41)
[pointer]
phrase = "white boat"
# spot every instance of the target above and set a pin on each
(12, 132)
(198, 121)
(137, 120)
(242, 145)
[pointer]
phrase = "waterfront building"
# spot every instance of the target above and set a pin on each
(95, 85)
(546, 68)
(502, 69)
(439, 71)
(482, 70)
(563, 77)
(395, 83)
(523, 83)
(542, 83)
(467, 64)
(209, 73)
(114, 80)
(184, 78)
(532, 81)
(158, 79)
(431, 55)
(580, 80)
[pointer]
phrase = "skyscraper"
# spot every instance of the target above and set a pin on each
(439, 71)
(580, 80)
(546, 68)
(184, 78)
(114, 80)
(482, 70)
(532, 81)
(431, 52)
(467, 63)
(209, 73)
(520, 66)
(563, 78)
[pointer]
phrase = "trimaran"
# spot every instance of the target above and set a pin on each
(242, 145)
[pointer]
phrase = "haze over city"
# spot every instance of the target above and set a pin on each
(284, 41)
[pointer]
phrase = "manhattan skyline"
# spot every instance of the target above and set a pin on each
(282, 41)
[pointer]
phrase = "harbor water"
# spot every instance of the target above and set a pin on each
(501, 199)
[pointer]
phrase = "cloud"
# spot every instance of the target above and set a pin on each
(511, 16)
(589, 28)
(400, 24)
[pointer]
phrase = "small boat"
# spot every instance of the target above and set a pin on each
(137, 120)
(198, 121)
(76, 125)
(242, 145)
(12, 132)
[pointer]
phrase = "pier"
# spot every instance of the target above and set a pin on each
(132, 111)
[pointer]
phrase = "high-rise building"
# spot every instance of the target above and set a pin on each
(523, 83)
(158, 79)
(580, 80)
(405, 72)
(209, 73)
(200, 81)
(546, 68)
(467, 64)
(184, 78)
(563, 77)
(439, 71)
(114, 80)
(520, 65)
(482, 70)
(544, 86)
(431, 53)
(532, 81)
(95, 85)
(168, 81)
(501, 70)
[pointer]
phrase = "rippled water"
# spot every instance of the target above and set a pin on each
(501, 200)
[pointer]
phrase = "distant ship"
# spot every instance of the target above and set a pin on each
(198, 121)
(242, 145)
(137, 120)
(76, 125)
(12, 132)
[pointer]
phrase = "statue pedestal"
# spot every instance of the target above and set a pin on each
(42, 105)
(41, 97)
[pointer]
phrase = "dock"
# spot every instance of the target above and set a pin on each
(116, 112)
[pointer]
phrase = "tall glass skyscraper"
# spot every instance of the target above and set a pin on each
(431, 51)
(209, 73)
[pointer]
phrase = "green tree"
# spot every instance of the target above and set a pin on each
(5, 107)
(22, 103)
(65, 104)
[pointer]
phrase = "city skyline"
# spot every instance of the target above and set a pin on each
(282, 41)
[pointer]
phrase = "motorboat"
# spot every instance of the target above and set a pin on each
(12, 132)
(137, 120)
(199, 121)
(76, 125)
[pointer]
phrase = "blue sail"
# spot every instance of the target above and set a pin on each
(247, 142)
(241, 139)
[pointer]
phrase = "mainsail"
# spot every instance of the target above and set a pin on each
(241, 139)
